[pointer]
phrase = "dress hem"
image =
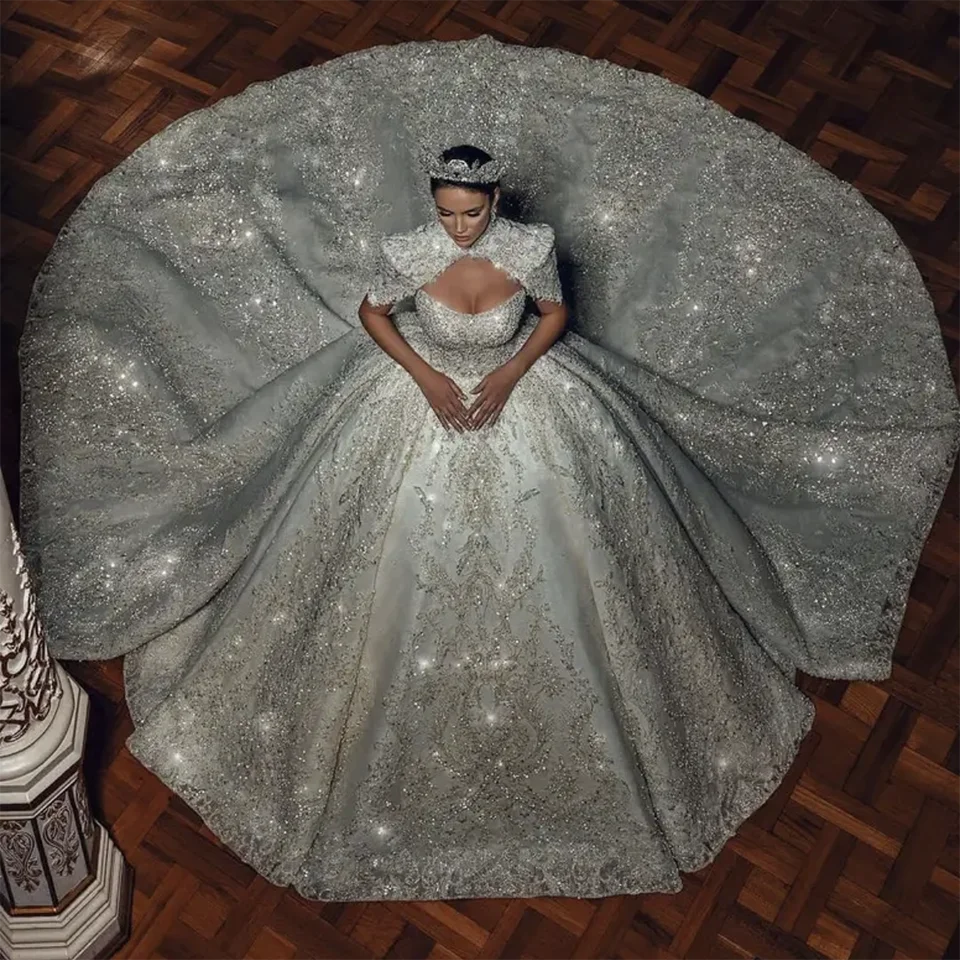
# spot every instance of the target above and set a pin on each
(235, 841)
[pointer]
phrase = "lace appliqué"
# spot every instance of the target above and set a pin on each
(490, 761)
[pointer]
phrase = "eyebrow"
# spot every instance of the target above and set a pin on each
(471, 210)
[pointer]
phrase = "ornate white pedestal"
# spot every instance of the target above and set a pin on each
(65, 889)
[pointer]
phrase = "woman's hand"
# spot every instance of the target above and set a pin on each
(445, 397)
(493, 389)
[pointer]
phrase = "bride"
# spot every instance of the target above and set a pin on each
(460, 602)
(550, 693)
(468, 236)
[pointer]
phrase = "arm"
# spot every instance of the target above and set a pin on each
(543, 285)
(377, 323)
(553, 321)
(441, 392)
(388, 285)
(494, 389)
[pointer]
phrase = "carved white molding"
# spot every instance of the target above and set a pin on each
(65, 889)
(29, 685)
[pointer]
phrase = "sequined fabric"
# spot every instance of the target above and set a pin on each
(524, 251)
(555, 656)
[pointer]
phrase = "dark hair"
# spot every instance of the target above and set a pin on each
(475, 157)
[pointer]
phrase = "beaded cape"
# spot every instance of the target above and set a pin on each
(409, 260)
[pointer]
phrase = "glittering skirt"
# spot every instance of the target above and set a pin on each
(497, 663)
(556, 656)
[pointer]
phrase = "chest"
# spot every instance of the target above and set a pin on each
(472, 285)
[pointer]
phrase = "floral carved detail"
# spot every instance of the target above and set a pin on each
(28, 680)
(83, 809)
(60, 837)
(20, 856)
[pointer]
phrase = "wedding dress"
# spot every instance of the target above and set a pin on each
(553, 656)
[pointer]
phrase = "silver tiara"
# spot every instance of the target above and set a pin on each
(460, 171)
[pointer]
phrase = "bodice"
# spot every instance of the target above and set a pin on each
(450, 328)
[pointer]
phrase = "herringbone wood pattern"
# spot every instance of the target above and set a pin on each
(856, 855)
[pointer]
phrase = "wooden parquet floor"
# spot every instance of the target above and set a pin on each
(856, 855)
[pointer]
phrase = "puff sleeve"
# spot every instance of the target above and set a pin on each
(543, 281)
(387, 283)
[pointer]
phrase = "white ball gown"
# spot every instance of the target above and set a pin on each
(556, 656)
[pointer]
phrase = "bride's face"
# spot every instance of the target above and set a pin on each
(464, 213)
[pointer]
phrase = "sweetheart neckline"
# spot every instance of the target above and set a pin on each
(463, 313)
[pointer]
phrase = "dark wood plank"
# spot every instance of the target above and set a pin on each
(857, 852)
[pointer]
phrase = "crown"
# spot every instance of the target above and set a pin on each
(459, 171)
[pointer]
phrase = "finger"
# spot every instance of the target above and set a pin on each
(456, 417)
(476, 403)
(483, 413)
(442, 419)
(463, 417)
(447, 422)
(494, 413)
(463, 423)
